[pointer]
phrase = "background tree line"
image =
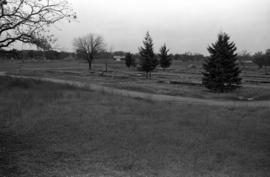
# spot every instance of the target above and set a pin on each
(34, 54)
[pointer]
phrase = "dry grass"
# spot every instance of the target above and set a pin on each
(49, 130)
(120, 77)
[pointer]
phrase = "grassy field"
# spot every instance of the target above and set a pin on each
(49, 130)
(174, 81)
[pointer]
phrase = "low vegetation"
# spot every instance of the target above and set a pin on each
(51, 130)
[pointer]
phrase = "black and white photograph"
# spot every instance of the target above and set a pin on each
(134, 88)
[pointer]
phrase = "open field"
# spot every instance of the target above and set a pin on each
(51, 130)
(180, 80)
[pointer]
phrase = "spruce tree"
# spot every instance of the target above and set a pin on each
(221, 71)
(148, 60)
(165, 59)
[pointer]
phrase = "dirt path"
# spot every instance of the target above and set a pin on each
(148, 96)
(65, 69)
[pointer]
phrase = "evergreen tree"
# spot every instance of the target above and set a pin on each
(129, 60)
(148, 59)
(165, 59)
(221, 72)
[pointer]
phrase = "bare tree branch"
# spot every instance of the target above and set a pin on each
(27, 20)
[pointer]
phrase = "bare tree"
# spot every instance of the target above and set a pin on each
(28, 20)
(89, 46)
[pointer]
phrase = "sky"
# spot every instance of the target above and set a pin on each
(184, 25)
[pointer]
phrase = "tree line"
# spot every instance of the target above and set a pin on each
(35, 54)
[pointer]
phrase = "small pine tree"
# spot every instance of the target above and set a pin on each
(129, 60)
(165, 59)
(148, 60)
(221, 72)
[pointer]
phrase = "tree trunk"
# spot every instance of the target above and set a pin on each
(90, 64)
(90, 59)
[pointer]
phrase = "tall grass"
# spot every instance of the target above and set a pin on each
(51, 130)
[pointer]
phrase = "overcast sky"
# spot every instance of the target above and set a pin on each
(184, 25)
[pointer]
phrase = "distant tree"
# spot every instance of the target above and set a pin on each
(148, 60)
(88, 47)
(43, 43)
(52, 55)
(262, 59)
(165, 58)
(129, 60)
(120, 53)
(258, 59)
(267, 59)
(187, 57)
(221, 72)
(11, 54)
(27, 20)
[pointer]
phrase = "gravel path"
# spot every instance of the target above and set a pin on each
(148, 96)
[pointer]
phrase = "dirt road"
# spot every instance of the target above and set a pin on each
(148, 96)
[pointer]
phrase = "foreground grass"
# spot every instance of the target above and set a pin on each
(50, 130)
